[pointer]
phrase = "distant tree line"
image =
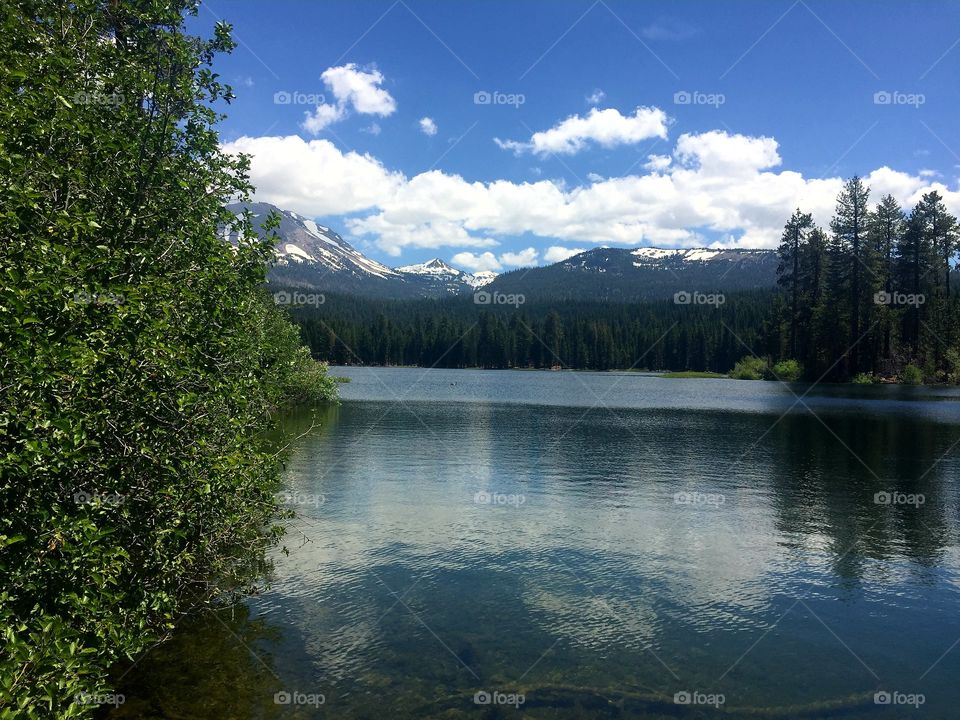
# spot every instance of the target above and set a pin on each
(456, 333)
(875, 295)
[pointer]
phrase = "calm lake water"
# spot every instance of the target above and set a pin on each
(597, 545)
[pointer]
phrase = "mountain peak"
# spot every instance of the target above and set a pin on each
(436, 274)
(436, 266)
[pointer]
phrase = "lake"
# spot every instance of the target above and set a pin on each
(507, 544)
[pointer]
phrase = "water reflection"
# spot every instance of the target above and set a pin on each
(775, 578)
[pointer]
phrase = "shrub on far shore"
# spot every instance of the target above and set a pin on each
(749, 368)
(911, 375)
(787, 370)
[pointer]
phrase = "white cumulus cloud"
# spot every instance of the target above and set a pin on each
(520, 259)
(607, 128)
(322, 116)
(719, 153)
(475, 263)
(657, 163)
(713, 185)
(428, 126)
(556, 253)
(314, 177)
(353, 88)
(360, 89)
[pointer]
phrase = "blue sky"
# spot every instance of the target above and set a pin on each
(748, 109)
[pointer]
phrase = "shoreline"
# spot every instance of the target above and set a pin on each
(665, 374)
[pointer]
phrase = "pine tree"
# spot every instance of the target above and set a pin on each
(788, 271)
(832, 315)
(913, 264)
(886, 227)
(941, 229)
(813, 266)
(849, 228)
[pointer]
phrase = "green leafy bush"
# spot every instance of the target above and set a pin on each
(952, 363)
(143, 364)
(749, 368)
(787, 370)
(863, 379)
(912, 375)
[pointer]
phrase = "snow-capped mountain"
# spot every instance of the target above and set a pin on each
(312, 243)
(443, 278)
(312, 256)
(436, 267)
(643, 274)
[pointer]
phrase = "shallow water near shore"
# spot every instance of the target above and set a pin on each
(564, 545)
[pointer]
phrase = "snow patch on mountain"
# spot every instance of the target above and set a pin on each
(701, 255)
(651, 256)
(296, 253)
(654, 253)
(481, 278)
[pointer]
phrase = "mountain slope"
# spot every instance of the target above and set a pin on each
(315, 257)
(618, 274)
